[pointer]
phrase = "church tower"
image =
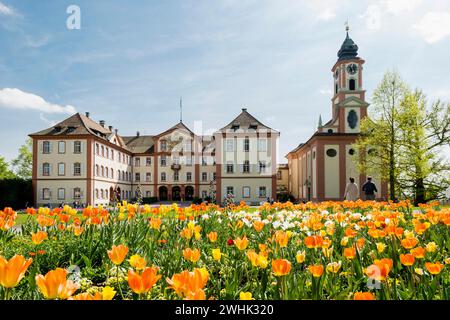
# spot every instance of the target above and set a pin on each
(348, 101)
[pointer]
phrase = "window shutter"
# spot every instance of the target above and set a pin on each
(81, 168)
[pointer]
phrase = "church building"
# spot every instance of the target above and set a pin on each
(320, 168)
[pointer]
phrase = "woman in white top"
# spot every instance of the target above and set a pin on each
(351, 191)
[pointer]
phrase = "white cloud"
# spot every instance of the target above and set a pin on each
(400, 6)
(17, 99)
(5, 10)
(434, 26)
(326, 15)
(36, 42)
(372, 17)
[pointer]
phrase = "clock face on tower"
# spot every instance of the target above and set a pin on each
(352, 68)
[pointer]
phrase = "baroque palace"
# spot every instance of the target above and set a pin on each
(83, 161)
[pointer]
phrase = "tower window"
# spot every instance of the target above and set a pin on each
(336, 88)
(352, 84)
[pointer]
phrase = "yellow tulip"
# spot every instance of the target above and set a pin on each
(245, 296)
(216, 254)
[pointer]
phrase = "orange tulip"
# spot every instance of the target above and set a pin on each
(281, 267)
(407, 259)
(117, 254)
(186, 282)
(143, 283)
(55, 284)
(434, 268)
(12, 271)
(155, 223)
(198, 294)
(281, 238)
(409, 243)
(38, 237)
(350, 253)
(191, 255)
(418, 252)
(313, 241)
(258, 225)
(316, 270)
(380, 269)
(212, 236)
(363, 296)
(241, 244)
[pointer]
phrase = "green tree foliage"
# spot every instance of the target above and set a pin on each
(407, 140)
(23, 164)
(5, 173)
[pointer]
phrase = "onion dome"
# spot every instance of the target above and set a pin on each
(348, 50)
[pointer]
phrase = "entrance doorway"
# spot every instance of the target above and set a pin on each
(189, 193)
(162, 193)
(176, 193)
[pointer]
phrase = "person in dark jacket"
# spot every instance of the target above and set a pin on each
(369, 189)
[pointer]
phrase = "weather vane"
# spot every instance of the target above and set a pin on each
(347, 26)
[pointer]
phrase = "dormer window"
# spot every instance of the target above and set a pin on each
(70, 129)
(253, 127)
(235, 126)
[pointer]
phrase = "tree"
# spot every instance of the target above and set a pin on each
(23, 164)
(379, 142)
(5, 173)
(424, 172)
(403, 141)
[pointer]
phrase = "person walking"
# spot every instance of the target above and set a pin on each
(369, 189)
(351, 190)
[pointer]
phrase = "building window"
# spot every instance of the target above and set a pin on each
(148, 161)
(331, 153)
(352, 84)
(97, 149)
(229, 167)
(204, 176)
(102, 194)
(351, 152)
(46, 169)
(112, 154)
(77, 193)
(61, 194)
(163, 145)
(77, 147)
(137, 177)
(262, 145)
(120, 157)
(97, 170)
(123, 175)
(61, 169)
(77, 169)
(330, 130)
(262, 192)
(163, 161)
(103, 171)
(246, 166)
(188, 176)
(204, 194)
(107, 172)
(204, 161)
(246, 145)
(230, 145)
(137, 162)
(61, 147)
(46, 147)
(262, 167)
(148, 176)
(46, 194)
(279, 175)
(96, 193)
(176, 176)
(163, 176)
(230, 191)
(118, 175)
(147, 194)
(245, 192)
(336, 88)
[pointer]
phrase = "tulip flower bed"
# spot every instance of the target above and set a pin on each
(330, 250)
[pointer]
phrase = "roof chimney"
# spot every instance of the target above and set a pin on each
(87, 114)
(244, 109)
(116, 130)
(102, 123)
(110, 128)
(137, 133)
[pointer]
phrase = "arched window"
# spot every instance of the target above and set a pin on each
(106, 172)
(336, 88)
(96, 193)
(103, 151)
(97, 172)
(112, 173)
(102, 194)
(106, 193)
(103, 171)
(352, 84)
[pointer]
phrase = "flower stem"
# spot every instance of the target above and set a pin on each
(118, 283)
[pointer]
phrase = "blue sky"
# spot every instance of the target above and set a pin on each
(132, 60)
